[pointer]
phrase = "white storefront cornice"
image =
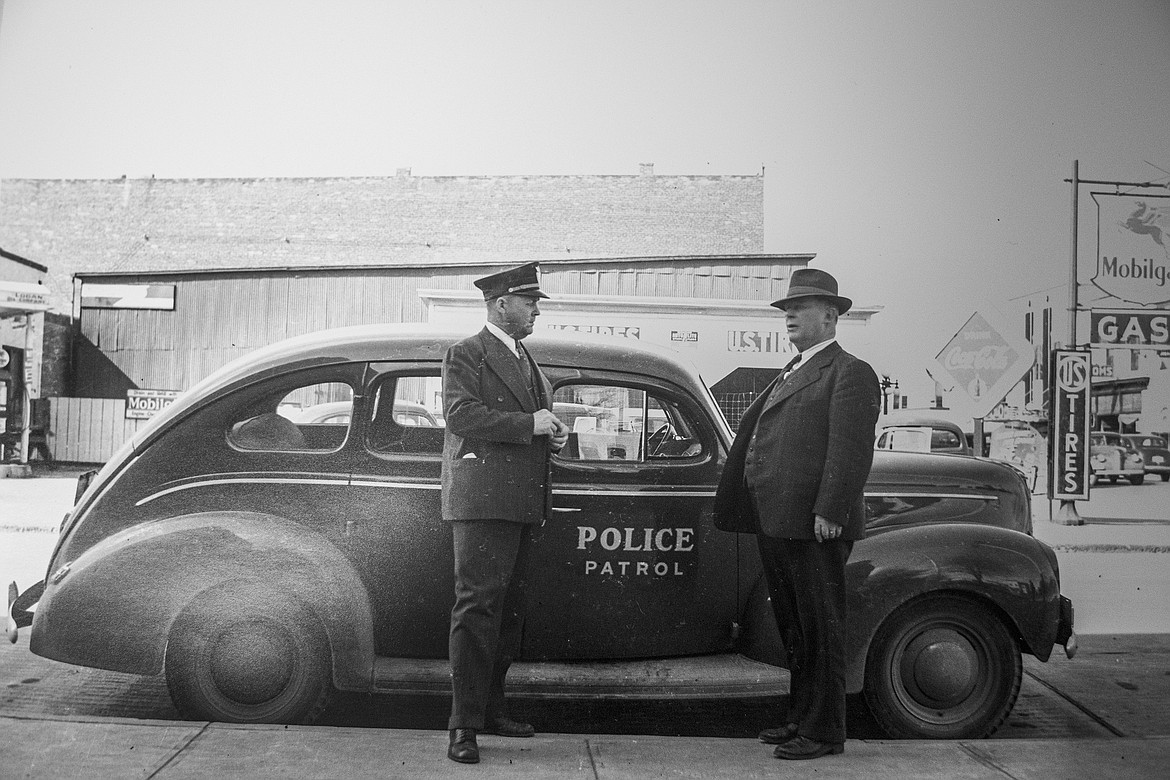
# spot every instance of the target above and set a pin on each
(636, 304)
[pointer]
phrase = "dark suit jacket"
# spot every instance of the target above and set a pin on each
(493, 467)
(816, 438)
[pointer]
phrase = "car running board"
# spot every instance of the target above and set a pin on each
(728, 675)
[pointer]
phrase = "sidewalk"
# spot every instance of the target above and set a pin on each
(115, 748)
(1107, 527)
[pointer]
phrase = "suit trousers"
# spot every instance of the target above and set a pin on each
(806, 581)
(491, 562)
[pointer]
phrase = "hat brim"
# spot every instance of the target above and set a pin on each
(842, 303)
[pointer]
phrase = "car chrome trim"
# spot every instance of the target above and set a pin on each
(907, 494)
(601, 490)
(241, 481)
(378, 483)
(434, 485)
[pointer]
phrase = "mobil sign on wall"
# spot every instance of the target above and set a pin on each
(984, 362)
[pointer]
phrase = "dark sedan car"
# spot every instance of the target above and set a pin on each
(260, 564)
(1155, 455)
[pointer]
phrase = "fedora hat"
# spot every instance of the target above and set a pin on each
(813, 283)
(521, 280)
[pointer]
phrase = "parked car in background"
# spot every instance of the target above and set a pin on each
(260, 571)
(1111, 457)
(921, 433)
(339, 412)
(1155, 455)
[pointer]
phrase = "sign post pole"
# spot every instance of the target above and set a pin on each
(1068, 438)
(1068, 515)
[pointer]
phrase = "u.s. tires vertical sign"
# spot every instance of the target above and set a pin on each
(1069, 426)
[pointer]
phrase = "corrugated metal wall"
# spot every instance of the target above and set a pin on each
(220, 316)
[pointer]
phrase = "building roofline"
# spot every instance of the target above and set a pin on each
(749, 259)
(400, 177)
(23, 261)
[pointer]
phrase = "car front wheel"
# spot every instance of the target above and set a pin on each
(249, 660)
(944, 667)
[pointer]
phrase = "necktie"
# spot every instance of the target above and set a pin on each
(526, 370)
(784, 374)
(788, 369)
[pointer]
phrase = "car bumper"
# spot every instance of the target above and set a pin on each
(1065, 635)
(19, 608)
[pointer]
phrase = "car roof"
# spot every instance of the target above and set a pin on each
(916, 421)
(416, 342)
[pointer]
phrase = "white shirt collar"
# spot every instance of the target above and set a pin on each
(814, 349)
(509, 342)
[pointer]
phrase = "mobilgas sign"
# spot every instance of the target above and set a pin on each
(1069, 441)
(144, 404)
(1131, 328)
(1133, 250)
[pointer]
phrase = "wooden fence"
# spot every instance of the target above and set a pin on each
(88, 430)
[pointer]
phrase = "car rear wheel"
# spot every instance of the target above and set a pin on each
(249, 660)
(944, 667)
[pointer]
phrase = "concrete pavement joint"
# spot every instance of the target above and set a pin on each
(984, 759)
(1095, 717)
(178, 751)
(592, 763)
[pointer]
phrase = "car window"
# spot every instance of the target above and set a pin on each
(943, 439)
(618, 423)
(308, 417)
(403, 414)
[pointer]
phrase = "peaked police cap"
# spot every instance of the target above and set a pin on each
(521, 280)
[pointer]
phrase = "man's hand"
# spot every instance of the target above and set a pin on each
(545, 423)
(825, 529)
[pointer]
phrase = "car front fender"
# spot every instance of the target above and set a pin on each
(1009, 570)
(113, 607)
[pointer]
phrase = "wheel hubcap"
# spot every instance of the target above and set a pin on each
(252, 662)
(939, 668)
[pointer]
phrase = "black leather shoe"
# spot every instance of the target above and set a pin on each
(463, 747)
(800, 748)
(506, 727)
(779, 735)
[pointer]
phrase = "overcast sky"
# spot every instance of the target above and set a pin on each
(918, 148)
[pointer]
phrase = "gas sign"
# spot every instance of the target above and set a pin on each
(144, 404)
(1069, 426)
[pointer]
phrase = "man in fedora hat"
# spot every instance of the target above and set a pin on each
(496, 486)
(794, 477)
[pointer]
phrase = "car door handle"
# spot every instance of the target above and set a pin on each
(566, 509)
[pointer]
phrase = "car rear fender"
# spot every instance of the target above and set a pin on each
(113, 607)
(1010, 571)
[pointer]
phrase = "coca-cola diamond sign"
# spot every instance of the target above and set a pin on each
(984, 363)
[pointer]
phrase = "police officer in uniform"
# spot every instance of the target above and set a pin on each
(496, 486)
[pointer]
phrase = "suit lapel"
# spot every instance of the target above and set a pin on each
(543, 388)
(501, 361)
(804, 376)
